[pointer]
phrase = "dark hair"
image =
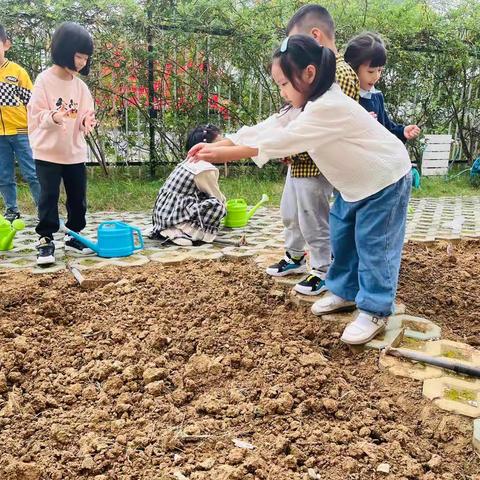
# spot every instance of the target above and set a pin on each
(311, 16)
(366, 48)
(301, 51)
(202, 134)
(71, 38)
(3, 34)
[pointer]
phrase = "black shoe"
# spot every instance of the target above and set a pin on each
(11, 214)
(312, 285)
(46, 251)
(288, 266)
(74, 245)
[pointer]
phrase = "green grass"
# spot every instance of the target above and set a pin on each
(130, 189)
(441, 187)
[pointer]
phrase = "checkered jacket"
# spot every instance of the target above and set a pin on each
(302, 164)
(15, 92)
(179, 201)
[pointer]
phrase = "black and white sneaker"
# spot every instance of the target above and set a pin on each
(288, 266)
(46, 251)
(74, 245)
(11, 214)
(312, 285)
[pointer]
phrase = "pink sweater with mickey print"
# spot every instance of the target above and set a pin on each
(52, 142)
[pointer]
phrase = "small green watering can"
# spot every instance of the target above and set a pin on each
(237, 214)
(8, 231)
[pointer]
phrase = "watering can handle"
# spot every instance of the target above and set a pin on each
(140, 238)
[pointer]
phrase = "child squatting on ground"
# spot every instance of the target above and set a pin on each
(367, 55)
(305, 204)
(60, 114)
(368, 166)
(15, 92)
(190, 205)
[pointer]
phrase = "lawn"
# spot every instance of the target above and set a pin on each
(130, 189)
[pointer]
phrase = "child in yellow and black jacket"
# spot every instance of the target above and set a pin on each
(15, 91)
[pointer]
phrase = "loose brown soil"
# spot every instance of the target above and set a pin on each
(442, 282)
(153, 377)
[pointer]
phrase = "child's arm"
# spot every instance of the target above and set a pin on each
(318, 124)
(404, 133)
(394, 128)
(24, 86)
(277, 120)
(40, 115)
(244, 135)
(226, 154)
(196, 148)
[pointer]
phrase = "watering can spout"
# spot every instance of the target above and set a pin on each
(88, 243)
(263, 200)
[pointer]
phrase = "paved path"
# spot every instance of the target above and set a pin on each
(432, 219)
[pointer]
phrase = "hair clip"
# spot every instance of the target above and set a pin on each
(284, 45)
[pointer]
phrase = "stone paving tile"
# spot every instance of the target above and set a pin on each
(454, 395)
(416, 334)
(416, 327)
(401, 367)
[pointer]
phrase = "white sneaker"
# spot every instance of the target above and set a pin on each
(331, 303)
(287, 266)
(363, 329)
(183, 241)
(46, 251)
(177, 237)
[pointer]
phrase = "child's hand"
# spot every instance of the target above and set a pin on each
(411, 131)
(89, 122)
(373, 114)
(60, 116)
(208, 152)
(192, 153)
(215, 153)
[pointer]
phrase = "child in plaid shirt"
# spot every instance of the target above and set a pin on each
(190, 205)
(305, 201)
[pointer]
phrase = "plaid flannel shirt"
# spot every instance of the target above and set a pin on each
(302, 164)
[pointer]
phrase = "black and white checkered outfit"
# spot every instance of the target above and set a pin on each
(180, 201)
(13, 95)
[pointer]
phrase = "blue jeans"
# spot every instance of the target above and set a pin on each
(367, 241)
(11, 147)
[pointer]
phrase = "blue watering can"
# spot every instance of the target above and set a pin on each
(114, 239)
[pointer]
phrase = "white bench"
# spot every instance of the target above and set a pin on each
(436, 155)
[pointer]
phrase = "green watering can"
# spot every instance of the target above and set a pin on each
(237, 214)
(8, 231)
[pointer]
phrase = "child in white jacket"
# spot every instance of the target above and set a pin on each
(368, 166)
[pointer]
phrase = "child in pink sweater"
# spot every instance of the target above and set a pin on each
(60, 114)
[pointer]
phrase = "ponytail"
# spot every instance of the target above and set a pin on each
(297, 53)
